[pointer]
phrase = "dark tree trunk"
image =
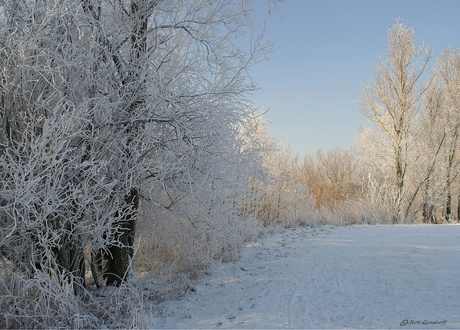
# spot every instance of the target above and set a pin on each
(458, 209)
(449, 204)
(428, 210)
(119, 256)
(71, 260)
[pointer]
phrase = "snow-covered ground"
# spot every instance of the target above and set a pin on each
(332, 277)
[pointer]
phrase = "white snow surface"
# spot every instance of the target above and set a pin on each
(401, 276)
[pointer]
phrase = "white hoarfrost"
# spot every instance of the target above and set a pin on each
(403, 276)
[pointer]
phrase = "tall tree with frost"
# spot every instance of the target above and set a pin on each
(392, 103)
(431, 143)
(448, 69)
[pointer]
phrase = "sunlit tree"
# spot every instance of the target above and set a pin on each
(392, 103)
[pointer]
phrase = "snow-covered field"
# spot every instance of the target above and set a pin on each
(332, 277)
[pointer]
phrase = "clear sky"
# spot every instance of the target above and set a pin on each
(326, 51)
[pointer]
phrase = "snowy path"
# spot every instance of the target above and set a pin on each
(354, 277)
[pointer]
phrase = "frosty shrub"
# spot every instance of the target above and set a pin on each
(326, 188)
(190, 244)
(44, 303)
(331, 177)
(282, 197)
(202, 221)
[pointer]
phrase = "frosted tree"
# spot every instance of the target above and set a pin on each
(431, 142)
(257, 142)
(436, 167)
(448, 70)
(107, 106)
(392, 104)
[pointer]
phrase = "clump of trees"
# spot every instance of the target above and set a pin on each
(413, 142)
(405, 167)
(121, 123)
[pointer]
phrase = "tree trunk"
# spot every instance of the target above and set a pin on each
(450, 166)
(71, 260)
(120, 255)
(119, 260)
(399, 172)
(449, 204)
(428, 210)
(458, 208)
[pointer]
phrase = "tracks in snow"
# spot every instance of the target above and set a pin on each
(366, 276)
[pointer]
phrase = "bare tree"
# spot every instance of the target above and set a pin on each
(392, 102)
(448, 69)
(431, 142)
(435, 170)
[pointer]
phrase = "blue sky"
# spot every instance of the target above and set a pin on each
(326, 51)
